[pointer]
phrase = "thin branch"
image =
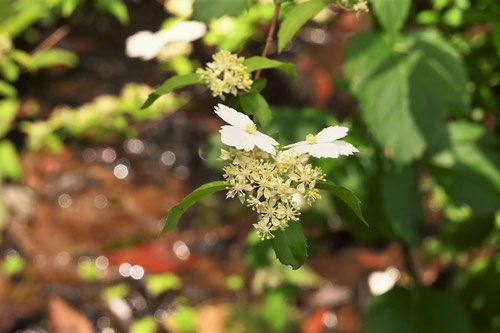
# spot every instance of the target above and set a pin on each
(270, 35)
(54, 38)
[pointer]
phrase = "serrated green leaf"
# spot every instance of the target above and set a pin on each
(391, 14)
(170, 85)
(256, 105)
(178, 210)
(405, 90)
(206, 10)
(8, 111)
(416, 311)
(53, 57)
(402, 203)
(344, 194)
(296, 18)
(257, 62)
(290, 245)
(10, 166)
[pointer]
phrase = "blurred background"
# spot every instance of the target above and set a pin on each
(87, 177)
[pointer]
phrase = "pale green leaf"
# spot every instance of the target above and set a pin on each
(170, 85)
(54, 57)
(178, 210)
(296, 18)
(10, 166)
(8, 111)
(257, 62)
(391, 14)
(7, 90)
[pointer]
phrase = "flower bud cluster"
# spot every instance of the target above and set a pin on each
(270, 185)
(226, 74)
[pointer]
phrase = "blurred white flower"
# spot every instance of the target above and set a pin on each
(147, 45)
(180, 8)
(325, 143)
(242, 132)
(381, 282)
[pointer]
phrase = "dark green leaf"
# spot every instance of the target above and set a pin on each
(256, 105)
(345, 195)
(258, 85)
(478, 288)
(170, 85)
(257, 62)
(206, 10)
(405, 91)
(416, 311)
(296, 18)
(290, 245)
(402, 203)
(10, 166)
(391, 14)
(176, 211)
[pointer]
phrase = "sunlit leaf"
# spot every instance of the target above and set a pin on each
(296, 18)
(178, 210)
(257, 62)
(170, 85)
(54, 57)
(10, 166)
(391, 14)
(8, 110)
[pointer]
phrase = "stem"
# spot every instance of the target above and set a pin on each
(52, 39)
(409, 265)
(270, 34)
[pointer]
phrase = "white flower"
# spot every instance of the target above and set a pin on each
(147, 45)
(325, 143)
(242, 132)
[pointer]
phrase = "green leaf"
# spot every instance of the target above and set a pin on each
(206, 10)
(478, 288)
(345, 195)
(9, 70)
(170, 85)
(10, 166)
(54, 57)
(176, 211)
(406, 90)
(116, 7)
(296, 18)
(402, 203)
(290, 245)
(276, 302)
(159, 283)
(416, 311)
(256, 105)
(8, 111)
(144, 325)
(391, 14)
(257, 62)
(7, 90)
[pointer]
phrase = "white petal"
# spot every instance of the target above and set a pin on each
(236, 137)
(332, 149)
(143, 44)
(233, 117)
(187, 31)
(300, 143)
(331, 133)
(302, 149)
(265, 142)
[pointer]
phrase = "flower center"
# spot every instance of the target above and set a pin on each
(311, 139)
(251, 128)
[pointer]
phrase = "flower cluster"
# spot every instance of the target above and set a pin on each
(267, 180)
(226, 74)
(270, 185)
(358, 5)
